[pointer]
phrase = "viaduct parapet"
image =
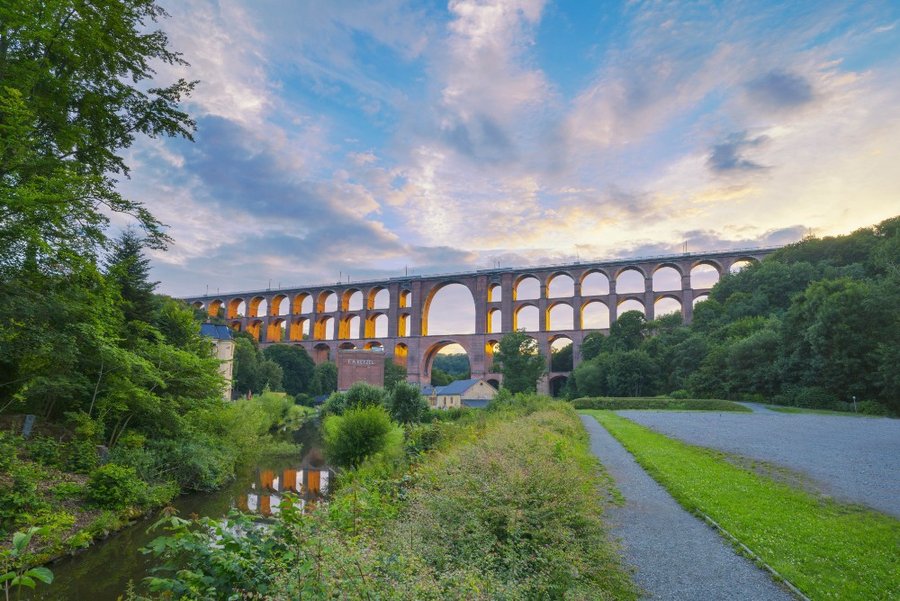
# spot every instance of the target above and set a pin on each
(392, 314)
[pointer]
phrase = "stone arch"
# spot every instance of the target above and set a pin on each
(324, 329)
(560, 316)
(302, 303)
(401, 354)
(404, 325)
(494, 382)
(216, 308)
(404, 299)
(557, 343)
(327, 302)
(279, 305)
(455, 304)
(494, 320)
(595, 282)
(700, 298)
(705, 273)
(379, 298)
(349, 329)
(527, 317)
(666, 304)
(742, 263)
(257, 304)
(377, 325)
(299, 329)
(254, 327)
(352, 300)
(630, 280)
(374, 345)
(494, 293)
(666, 276)
(236, 326)
(198, 305)
(594, 315)
(558, 385)
(346, 346)
(631, 303)
(321, 353)
(236, 308)
(560, 284)
(527, 287)
(276, 330)
(432, 351)
(490, 348)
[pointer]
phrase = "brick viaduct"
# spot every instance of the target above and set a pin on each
(392, 314)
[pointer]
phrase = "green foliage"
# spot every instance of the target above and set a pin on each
(324, 379)
(393, 374)
(296, 366)
(113, 486)
(14, 573)
(357, 434)
(454, 365)
(361, 394)
(253, 372)
(45, 450)
(673, 404)
(815, 543)
(439, 377)
(561, 359)
(519, 361)
(406, 403)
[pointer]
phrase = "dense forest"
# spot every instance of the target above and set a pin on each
(814, 325)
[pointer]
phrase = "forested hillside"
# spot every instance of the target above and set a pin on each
(813, 325)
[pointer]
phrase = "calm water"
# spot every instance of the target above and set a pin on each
(101, 572)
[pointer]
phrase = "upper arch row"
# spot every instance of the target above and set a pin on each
(666, 276)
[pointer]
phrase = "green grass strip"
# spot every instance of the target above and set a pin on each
(803, 410)
(828, 550)
(616, 403)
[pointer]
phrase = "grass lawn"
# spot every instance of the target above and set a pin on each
(828, 550)
(785, 409)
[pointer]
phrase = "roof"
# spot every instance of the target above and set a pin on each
(457, 387)
(219, 332)
(427, 389)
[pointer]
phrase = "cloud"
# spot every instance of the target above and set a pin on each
(781, 89)
(726, 157)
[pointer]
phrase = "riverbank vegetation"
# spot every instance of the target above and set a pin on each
(813, 325)
(829, 550)
(503, 503)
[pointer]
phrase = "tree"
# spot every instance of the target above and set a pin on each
(296, 365)
(592, 345)
(627, 333)
(561, 359)
(406, 403)
(76, 91)
(519, 361)
(324, 379)
(393, 374)
(357, 434)
(129, 270)
(439, 377)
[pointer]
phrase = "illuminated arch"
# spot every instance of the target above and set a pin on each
(401, 354)
(324, 329)
(327, 302)
(527, 317)
(595, 283)
(299, 329)
(216, 308)
(379, 298)
(377, 325)
(742, 263)
(594, 315)
(236, 308)
(257, 304)
(666, 277)
(302, 303)
(527, 287)
(453, 315)
(495, 293)
(279, 305)
(352, 300)
(432, 351)
(631, 303)
(404, 325)
(349, 329)
(254, 327)
(276, 330)
(630, 280)
(666, 305)
(494, 320)
(321, 353)
(404, 299)
(560, 316)
(560, 285)
(705, 274)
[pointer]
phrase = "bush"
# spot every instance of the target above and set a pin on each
(657, 403)
(406, 403)
(199, 463)
(68, 490)
(357, 434)
(680, 394)
(80, 456)
(361, 394)
(113, 486)
(872, 408)
(45, 450)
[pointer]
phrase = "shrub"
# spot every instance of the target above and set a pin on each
(358, 433)
(361, 394)
(872, 408)
(113, 486)
(80, 456)
(680, 394)
(406, 403)
(198, 463)
(67, 490)
(44, 450)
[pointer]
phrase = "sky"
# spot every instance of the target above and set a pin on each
(367, 139)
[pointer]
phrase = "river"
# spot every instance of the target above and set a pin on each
(101, 572)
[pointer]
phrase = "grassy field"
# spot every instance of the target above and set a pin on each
(828, 550)
(656, 403)
(786, 409)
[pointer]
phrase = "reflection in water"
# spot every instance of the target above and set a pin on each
(309, 484)
(101, 572)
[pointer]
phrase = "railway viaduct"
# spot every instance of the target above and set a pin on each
(392, 315)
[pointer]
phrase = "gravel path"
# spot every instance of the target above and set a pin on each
(675, 555)
(851, 458)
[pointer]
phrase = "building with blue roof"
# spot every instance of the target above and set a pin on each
(223, 349)
(474, 392)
